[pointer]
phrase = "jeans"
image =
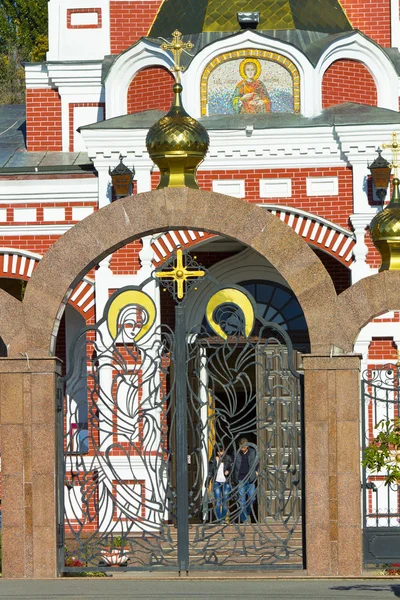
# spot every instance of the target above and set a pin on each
(247, 495)
(221, 494)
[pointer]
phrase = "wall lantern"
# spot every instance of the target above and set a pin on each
(122, 179)
(380, 172)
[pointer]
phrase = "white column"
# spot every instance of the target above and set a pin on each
(104, 183)
(360, 268)
(143, 178)
(360, 187)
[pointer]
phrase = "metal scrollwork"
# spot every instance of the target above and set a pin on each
(145, 411)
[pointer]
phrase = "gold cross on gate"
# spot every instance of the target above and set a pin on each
(177, 47)
(395, 148)
(180, 274)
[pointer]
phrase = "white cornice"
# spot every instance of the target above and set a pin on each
(305, 147)
(49, 191)
(36, 76)
(76, 74)
(12, 230)
(359, 142)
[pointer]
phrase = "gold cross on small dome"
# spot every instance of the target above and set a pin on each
(180, 274)
(394, 146)
(177, 47)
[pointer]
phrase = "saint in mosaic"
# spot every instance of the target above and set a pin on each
(250, 86)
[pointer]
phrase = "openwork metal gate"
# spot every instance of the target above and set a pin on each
(147, 410)
(381, 508)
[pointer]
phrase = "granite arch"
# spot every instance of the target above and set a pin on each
(102, 233)
(362, 302)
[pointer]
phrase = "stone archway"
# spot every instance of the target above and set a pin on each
(30, 493)
(11, 324)
(359, 304)
(107, 230)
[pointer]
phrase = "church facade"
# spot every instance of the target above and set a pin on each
(294, 104)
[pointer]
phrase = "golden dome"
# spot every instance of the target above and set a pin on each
(177, 144)
(385, 231)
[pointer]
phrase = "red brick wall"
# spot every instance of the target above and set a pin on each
(125, 261)
(335, 208)
(340, 274)
(348, 81)
(129, 21)
(150, 89)
(372, 17)
(382, 349)
(43, 120)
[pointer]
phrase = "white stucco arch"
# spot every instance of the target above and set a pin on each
(359, 48)
(243, 266)
(247, 38)
(142, 55)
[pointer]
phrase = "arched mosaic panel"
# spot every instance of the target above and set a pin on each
(250, 81)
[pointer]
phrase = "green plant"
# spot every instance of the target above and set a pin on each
(117, 542)
(383, 453)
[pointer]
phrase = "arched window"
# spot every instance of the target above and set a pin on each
(278, 304)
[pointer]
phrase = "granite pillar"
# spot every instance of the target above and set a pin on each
(28, 449)
(332, 465)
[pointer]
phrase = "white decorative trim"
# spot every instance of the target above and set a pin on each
(12, 230)
(275, 188)
(81, 212)
(48, 191)
(359, 48)
(142, 55)
(322, 186)
(230, 187)
(54, 214)
(24, 215)
(36, 76)
(76, 74)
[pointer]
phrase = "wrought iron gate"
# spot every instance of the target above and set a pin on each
(381, 509)
(145, 409)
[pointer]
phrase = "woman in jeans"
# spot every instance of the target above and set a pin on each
(219, 470)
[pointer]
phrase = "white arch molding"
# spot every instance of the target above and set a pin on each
(142, 55)
(359, 48)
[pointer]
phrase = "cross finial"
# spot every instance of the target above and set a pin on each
(394, 145)
(177, 46)
(180, 274)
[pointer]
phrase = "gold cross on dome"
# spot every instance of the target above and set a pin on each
(395, 148)
(177, 47)
(180, 274)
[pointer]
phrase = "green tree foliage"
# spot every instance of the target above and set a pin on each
(383, 453)
(23, 38)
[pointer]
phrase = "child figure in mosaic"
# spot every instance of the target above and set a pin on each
(250, 94)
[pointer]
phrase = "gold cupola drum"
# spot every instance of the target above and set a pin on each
(385, 226)
(177, 143)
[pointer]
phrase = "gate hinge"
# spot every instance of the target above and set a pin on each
(60, 399)
(60, 535)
